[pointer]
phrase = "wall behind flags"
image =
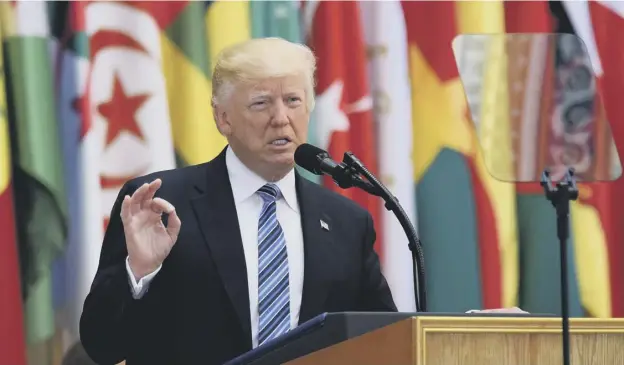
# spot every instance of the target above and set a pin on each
(96, 93)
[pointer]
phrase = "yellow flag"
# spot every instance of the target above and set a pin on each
(189, 50)
(488, 17)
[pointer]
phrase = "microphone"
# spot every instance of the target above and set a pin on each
(348, 174)
(315, 160)
(318, 162)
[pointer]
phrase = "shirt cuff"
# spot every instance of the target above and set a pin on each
(139, 288)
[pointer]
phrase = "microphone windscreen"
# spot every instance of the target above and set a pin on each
(307, 156)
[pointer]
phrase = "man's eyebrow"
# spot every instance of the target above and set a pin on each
(259, 94)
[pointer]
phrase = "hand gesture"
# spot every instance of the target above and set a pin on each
(147, 239)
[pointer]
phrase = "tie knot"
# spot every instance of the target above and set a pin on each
(269, 192)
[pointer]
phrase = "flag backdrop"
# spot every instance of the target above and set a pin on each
(495, 201)
(127, 92)
(441, 138)
(192, 38)
(187, 72)
(12, 347)
(38, 170)
(608, 22)
(477, 256)
(38, 178)
(531, 111)
(227, 23)
(77, 267)
(386, 44)
(597, 222)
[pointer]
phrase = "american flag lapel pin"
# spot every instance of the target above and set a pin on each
(324, 225)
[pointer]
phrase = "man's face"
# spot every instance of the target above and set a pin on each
(265, 122)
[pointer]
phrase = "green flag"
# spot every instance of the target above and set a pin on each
(38, 174)
(275, 19)
(281, 19)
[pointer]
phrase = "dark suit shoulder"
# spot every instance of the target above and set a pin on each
(175, 177)
(335, 200)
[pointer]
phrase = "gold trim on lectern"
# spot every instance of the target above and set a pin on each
(474, 324)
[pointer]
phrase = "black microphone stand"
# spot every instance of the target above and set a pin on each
(354, 168)
(560, 196)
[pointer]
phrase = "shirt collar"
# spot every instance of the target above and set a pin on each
(245, 182)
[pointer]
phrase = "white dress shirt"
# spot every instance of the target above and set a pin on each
(245, 183)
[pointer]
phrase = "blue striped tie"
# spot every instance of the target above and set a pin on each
(273, 292)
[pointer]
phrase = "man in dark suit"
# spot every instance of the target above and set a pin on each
(203, 263)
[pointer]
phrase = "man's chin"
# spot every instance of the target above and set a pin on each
(281, 156)
(283, 164)
(280, 164)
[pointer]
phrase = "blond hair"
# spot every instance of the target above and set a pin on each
(262, 58)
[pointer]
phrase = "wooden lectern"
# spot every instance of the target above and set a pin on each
(474, 340)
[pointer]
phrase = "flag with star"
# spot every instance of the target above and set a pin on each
(12, 346)
(195, 33)
(343, 114)
(597, 215)
(478, 257)
(386, 43)
(127, 92)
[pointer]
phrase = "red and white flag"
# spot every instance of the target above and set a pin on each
(130, 114)
(343, 115)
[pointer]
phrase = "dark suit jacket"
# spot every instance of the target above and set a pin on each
(196, 310)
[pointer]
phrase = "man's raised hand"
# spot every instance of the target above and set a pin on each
(147, 239)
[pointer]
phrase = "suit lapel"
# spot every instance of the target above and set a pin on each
(216, 212)
(317, 242)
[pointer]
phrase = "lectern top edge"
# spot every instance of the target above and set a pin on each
(526, 322)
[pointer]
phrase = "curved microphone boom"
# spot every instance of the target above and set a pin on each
(346, 175)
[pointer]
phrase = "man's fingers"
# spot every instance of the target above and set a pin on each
(159, 206)
(125, 208)
(137, 198)
(151, 191)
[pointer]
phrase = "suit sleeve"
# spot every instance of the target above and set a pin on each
(375, 295)
(114, 326)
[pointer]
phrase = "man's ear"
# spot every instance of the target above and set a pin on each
(221, 119)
